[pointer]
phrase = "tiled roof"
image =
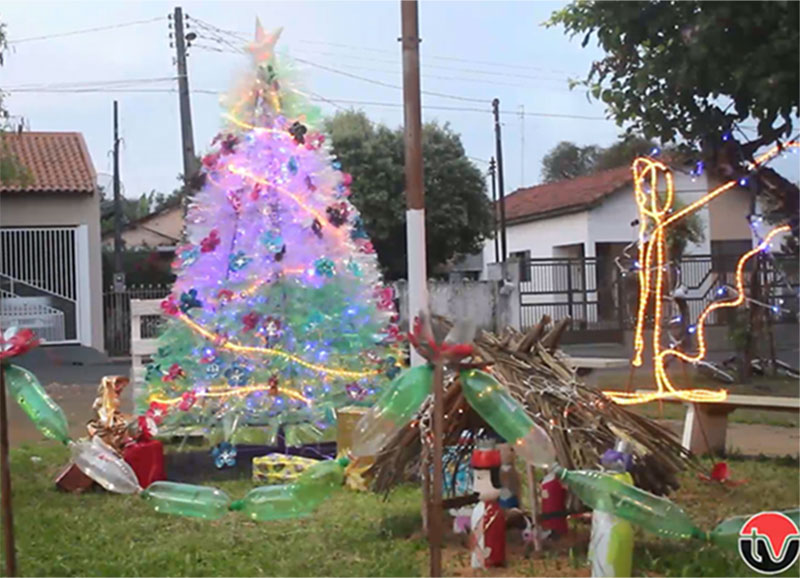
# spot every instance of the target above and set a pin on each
(565, 196)
(57, 161)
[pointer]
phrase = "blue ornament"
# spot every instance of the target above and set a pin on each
(189, 300)
(324, 267)
(153, 373)
(354, 268)
(238, 261)
(213, 369)
(292, 165)
(358, 231)
(336, 165)
(224, 455)
(237, 375)
(393, 369)
(272, 241)
(189, 256)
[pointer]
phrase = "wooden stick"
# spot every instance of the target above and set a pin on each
(534, 335)
(435, 529)
(533, 496)
(553, 337)
(5, 482)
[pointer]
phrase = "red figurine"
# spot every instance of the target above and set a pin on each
(488, 523)
(554, 505)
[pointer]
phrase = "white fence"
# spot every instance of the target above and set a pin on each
(32, 313)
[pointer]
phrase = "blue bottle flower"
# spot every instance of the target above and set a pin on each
(237, 375)
(224, 455)
(189, 300)
(238, 261)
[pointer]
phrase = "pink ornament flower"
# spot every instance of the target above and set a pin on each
(385, 298)
(365, 246)
(250, 321)
(16, 341)
(147, 426)
(175, 372)
(347, 179)
(210, 242)
(188, 399)
(156, 412)
(169, 307)
(225, 295)
(210, 160)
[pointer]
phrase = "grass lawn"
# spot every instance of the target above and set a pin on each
(99, 534)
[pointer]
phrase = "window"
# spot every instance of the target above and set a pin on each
(523, 258)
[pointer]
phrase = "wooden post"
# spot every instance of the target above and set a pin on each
(435, 526)
(5, 482)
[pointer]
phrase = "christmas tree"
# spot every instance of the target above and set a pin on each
(278, 314)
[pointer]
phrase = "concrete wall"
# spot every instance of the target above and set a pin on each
(161, 230)
(491, 305)
(64, 209)
(729, 215)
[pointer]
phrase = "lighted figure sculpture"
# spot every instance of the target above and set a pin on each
(278, 314)
(656, 215)
(488, 523)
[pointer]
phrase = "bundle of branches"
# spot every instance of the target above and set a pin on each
(582, 422)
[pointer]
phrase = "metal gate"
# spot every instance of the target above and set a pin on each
(39, 281)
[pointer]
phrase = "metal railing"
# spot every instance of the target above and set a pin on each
(117, 310)
(597, 295)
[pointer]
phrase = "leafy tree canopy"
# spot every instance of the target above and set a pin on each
(567, 160)
(692, 70)
(458, 212)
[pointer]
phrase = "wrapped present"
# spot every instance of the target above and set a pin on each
(275, 469)
(110, 424)
(71, 479)
(146, 457)
(346, 420)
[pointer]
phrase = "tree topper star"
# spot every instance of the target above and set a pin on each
(263, 47)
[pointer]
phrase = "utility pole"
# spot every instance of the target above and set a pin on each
(187, 136)
(417, 268)
(499, 145)
(493, 174)
(415, 193)
(117, 201)
(522, 145)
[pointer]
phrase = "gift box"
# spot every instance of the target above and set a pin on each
(147, 460)
(346, 420)
(71, 479)
(276, 469)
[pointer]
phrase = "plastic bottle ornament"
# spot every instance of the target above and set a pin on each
(395, 408)
(187, 500)
(611, 542)
(726, 534)
(268, 503)
(101, 463)
(603, 492)
(45, 413)
(507, 417)
(317, 483)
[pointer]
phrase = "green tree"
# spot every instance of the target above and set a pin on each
(567, 160)
(11, 171)
(689, 72)
(458, 212)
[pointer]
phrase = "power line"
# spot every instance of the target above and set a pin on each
(85, 30)
(90, 83)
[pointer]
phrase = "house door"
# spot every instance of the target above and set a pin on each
(40, 281)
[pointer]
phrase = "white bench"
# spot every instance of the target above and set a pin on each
(597, 362)
(705, 426)
(141, 348)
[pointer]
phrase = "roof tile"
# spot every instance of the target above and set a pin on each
(568, 195)
(58, 162)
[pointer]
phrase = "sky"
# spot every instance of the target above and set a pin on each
(471, 52)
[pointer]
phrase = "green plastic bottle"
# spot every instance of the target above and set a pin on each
(395, 408)
(603, 492)
(187, 500)
(507, 417)
(46, 414)
(299, 499)
(726, 534)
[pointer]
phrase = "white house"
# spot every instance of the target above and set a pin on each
(50, 263)
(592, 218)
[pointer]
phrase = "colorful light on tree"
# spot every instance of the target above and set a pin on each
(655, 218)
(278, 314)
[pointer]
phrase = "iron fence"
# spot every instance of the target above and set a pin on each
(596, 295)
(117, 309)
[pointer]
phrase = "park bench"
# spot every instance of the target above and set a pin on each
(705, 426)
